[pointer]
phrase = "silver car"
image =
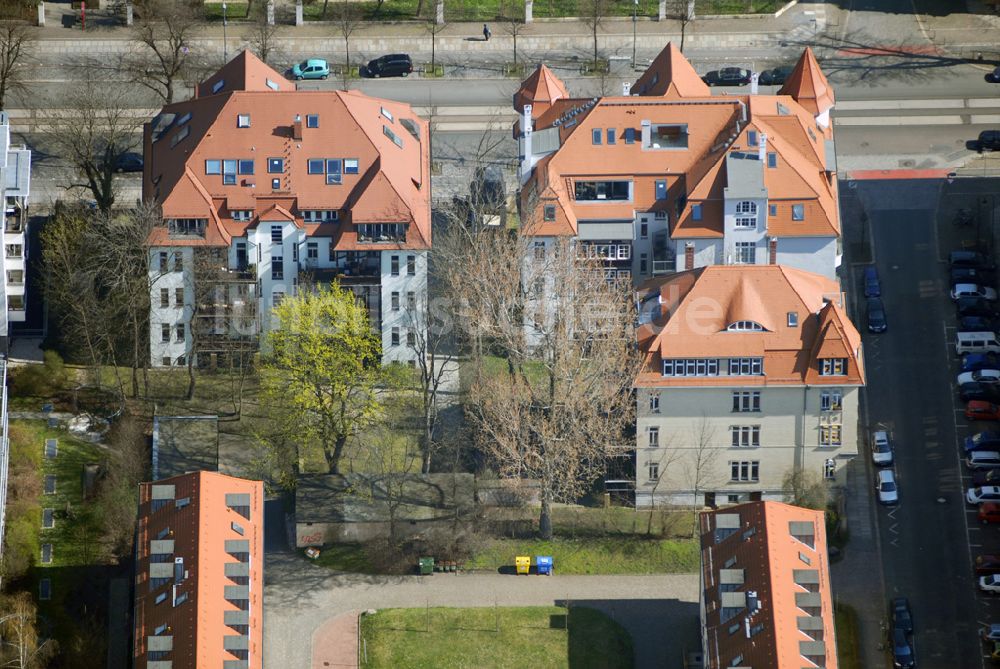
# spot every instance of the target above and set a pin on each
(885, 485)
(881, 449)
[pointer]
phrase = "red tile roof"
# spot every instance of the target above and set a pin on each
(390, 143)
(540, 90)
(202, 535)
(671, 75)
(766, 584)
(686, 315)
(808, 85)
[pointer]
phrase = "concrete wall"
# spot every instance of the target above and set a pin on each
(813, 254)
(319, 534)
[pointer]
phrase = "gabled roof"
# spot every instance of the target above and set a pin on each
(539, 90)
(245, 72)
(387, 144)
(765, 568)
(670, 75)
(686, 315)
(808, 86)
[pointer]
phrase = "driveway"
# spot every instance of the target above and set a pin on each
(660, 611)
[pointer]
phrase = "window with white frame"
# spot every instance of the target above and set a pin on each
(654, 436)
(745, 436)
(319, 215)
(746, 401)
(745, 253)
(833, 366)
(243, 120)
(798, 212)
(241, 214)
(653, 471)
(746, 366)
(691, 367)
(744, 471)
(746, 214)
(830, 435)
(745, 326)
(654, 403)
(312, 250)
(831, 400)
(829, 469)
(275, 234)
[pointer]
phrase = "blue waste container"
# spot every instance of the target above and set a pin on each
(544, 564)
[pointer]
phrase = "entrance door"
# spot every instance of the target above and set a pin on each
(710, 499)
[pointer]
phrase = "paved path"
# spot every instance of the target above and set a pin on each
(660, 611)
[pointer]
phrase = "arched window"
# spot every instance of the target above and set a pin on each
(745, 326)
(746, 214)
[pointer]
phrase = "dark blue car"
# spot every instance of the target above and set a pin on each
(982, 441)
(972, 362)
(872, 286)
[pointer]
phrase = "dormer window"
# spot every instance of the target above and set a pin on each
(745, 326)
(695, 212)
(793, 319)
(752, 138)
(833, 367)
(243, 120)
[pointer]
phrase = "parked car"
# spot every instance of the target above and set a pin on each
(985, 375)
(973, 361)
(971, 275)
(975, 306)
(973, 290)
(876, 315)
(727, 76)
(392, 65)
(994, 76)
(872, 286)
(968, 392)
(995, 653)
(991, 632)
(983, 460)
(989, 513)
(976, 324)
(902, 650)
(986, 477)
(971, 259)
(988, 493)
(312, 68)
(982, 410)
(885, 486)
(988, 440)
(988, 140)
(881, 448)
(990, 584)
(902, 619)
(986, 564)
(775, 76)
(129, 162)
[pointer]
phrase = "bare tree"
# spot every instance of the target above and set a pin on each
(593, 13)
(434, 28)
(659, 463)
(513, 26)
(347, 16)
(20, 646)
(99, 129)
(262, 37)
(805, 488)
(681, 11)
(700, 463)
(163, 43)
(390, 479)
(16, 42)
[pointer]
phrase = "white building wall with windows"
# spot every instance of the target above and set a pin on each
(678, 428)
(403, 272)
(171, 270)
(15, 188)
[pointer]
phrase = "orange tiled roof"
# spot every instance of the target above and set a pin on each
(389, 142)
(199, 571)
(540, 90)
(670, 75)
(808, 85)
(715, 126)
(754, 576)
(687, 315)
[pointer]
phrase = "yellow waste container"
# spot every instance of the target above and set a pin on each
(523, 564)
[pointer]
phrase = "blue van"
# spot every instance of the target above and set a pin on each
(872, 287)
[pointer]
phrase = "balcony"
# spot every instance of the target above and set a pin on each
(381, 232)
(664, 267)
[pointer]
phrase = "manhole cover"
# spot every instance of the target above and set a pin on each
(907, 163)
(941, 500)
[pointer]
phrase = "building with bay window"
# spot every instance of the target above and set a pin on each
(265, 189)
(748, 372)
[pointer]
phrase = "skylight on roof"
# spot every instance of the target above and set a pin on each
(386, 113)
(184, 119)
(396, 139)
(181, 134)
(272, 85)
(218, 85)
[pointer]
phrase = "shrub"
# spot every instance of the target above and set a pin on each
(39, 380)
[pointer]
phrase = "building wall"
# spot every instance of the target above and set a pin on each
(706, 252)
(404, 319)
(694, 427)
(176, 276)
(813, 254)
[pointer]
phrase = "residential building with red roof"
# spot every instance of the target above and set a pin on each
(670, 177)
(748, 372)
(765, 597)
(262, 185)
(199, 573)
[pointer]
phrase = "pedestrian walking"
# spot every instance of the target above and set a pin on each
(486, 32)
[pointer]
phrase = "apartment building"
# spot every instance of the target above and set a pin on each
(748, 372)
(15, 187)
(264, 188)
(765, 599)
(668, 177)
(199, 573)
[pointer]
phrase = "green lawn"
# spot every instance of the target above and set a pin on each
(709, 7)
(543, 637)
(846, 622)
(609, 555)
(467, 10)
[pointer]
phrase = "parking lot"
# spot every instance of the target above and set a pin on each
(929, 539)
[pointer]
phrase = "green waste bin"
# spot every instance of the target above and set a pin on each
(426, 565)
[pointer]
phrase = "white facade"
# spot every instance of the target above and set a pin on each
(171, 272)
(404, 303)
(813, 254)
(685, 440)
(15, 186)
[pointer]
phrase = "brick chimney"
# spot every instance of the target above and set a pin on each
(689, 255)
(772, 246)
(297, 127)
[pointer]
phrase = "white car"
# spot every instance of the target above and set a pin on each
(972, 290)
(885, 485)
(881, 448)
(980, 376)
(990, 583)
(986, 493)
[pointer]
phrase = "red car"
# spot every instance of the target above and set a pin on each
(987, 564)
(982, 410)
(989, 512)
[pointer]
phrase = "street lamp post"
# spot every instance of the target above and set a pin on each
(635, 10)
(225, 50)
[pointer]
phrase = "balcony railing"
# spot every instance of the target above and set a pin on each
(664, 266)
